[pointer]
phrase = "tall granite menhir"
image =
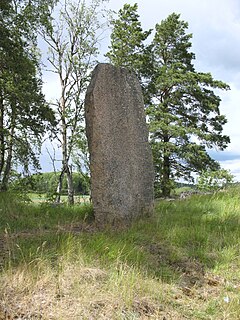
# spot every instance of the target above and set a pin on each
(120, 156)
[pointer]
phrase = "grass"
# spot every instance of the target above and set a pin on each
(17, 215)
(182, 263)
(43, 197)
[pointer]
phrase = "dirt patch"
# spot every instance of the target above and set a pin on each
(78, 228)
(4, 251)
(193, 273)
(144, 307)
(193, 278)
(71, 228)
(141, 309)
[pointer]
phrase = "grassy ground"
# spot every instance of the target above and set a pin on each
(182, 263)
(41, 198)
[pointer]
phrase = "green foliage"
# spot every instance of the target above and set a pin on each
(24, 114)
(47, 183)
(214, 180)
(182, 107)
(18, 213)
(127, 39)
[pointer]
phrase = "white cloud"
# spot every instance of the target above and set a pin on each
(233, 166)
(51, 157)
(51, 86)
(230, 107)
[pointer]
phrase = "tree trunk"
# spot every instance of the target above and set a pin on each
(59, 187)
(2, 140)
(8, 166)
(7, 170)
(70, 186)
(166, 170)
(166, 188)
(65, 151)
(65, 159)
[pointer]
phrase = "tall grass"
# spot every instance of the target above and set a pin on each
(182, 263)
(18, 213)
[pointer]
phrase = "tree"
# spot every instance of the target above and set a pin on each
(73, 47)
(214, 180)
(182, 107)
(24, 114)
(127, 39)
(46, 183)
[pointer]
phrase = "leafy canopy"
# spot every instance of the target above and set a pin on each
(24, 114)
(214, 180)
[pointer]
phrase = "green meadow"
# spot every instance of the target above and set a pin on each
(181, 263)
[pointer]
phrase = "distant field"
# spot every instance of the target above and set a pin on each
(40, 198)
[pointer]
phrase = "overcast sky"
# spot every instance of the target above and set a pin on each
(215, 25)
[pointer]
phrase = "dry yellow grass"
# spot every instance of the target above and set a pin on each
(75, 290)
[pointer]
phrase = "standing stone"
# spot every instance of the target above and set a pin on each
(120, 156)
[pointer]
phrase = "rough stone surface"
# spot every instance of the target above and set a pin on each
(120, 156)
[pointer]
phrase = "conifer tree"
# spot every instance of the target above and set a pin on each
(127, 39)
(183, 108)
(181, 104)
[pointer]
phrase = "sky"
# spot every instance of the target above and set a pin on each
(215, 25)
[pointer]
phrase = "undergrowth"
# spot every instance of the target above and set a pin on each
(182, 263)
(18, 213)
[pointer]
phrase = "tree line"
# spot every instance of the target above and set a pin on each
(181, 103)
(47, 182)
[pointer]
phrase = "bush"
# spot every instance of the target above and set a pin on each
(214, 180)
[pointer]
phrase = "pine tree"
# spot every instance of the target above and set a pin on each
(127, 39)
(181, 104)
(183, 108)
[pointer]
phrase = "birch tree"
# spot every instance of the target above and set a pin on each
(73, 41)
